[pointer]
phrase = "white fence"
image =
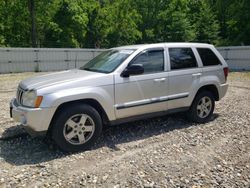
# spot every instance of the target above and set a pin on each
(237, 57)
(52, 59)
(43, 59)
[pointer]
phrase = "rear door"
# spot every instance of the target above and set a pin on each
(184, 75)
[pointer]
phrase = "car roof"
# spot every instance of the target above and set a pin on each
(172, 44)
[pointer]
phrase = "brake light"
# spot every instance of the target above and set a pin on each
(225, 72)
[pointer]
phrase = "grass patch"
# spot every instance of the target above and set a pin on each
(239, 76)
(10, 81)
(18, 76)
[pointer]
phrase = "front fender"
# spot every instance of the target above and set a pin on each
(104, 95)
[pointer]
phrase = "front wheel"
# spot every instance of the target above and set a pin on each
(202, 108)
(77, 128)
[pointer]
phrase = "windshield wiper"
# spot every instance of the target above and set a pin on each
(87, 69)
(96, 70)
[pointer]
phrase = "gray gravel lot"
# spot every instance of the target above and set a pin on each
(160, 152)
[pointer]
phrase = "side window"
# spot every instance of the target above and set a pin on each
(182, 58)
(208, 57)
(152, 61)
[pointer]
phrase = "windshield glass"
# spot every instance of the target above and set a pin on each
(107, 61)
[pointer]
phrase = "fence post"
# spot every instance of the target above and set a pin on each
(226, 55)
(67, 58)
(37, 68)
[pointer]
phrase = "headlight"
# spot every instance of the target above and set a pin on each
(31, 99)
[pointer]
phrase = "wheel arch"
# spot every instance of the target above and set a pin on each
(91, 102)
(211, 88)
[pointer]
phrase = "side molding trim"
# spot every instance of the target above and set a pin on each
(150, 101)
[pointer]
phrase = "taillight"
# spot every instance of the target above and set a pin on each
(225, 72)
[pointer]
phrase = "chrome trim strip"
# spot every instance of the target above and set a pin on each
(150, 101)
(19, 95)
(177, 96)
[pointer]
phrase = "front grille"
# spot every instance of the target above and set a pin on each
(19, 95)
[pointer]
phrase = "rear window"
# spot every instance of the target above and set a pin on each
(208, 57)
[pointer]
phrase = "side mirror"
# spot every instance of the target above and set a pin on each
(134, 69)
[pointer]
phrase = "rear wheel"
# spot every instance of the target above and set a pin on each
(77, 128)
(202, 108)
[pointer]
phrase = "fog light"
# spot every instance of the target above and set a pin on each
(23, 120)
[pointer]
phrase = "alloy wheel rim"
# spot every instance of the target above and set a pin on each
(78, 129)
(204, 107)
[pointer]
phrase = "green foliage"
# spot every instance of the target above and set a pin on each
(45, 12)
(68, 27)
(14, 23)
(233, 17)
(123, 24)
(204, 21)
(239, 23)
(149, 11)
(2, 42)
(108, 23)
(174, 24)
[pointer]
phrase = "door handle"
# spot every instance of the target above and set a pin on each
(160, 80)
(196, 74)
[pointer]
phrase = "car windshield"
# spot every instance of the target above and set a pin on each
(107, 61)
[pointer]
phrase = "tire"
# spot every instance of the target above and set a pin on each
(202, 107)
(76, 128)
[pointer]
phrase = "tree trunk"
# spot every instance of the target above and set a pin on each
(33, 23)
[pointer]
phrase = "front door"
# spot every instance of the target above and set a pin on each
(145, 93)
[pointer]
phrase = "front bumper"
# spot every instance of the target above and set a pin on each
(36, 121)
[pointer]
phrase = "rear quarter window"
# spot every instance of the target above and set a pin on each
(208, 57)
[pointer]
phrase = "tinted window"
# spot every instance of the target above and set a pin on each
(182, 58)
(152, 61)
(208, 57)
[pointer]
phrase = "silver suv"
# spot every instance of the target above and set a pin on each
(121, 84)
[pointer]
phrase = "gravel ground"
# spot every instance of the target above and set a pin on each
(160, 152)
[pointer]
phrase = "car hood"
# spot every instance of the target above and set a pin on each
(64, 80)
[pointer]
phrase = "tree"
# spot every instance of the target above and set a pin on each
(68, 27)
(204, 22)
(122, 28)
(14, 25)
(174, 23)
(33, 22)
(45, 13)
(95, 26)
(108, 23)
(164, 21)
(238, 25)
(149, 11)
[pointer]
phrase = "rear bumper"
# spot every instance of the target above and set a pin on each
(35, 120)
(223, 90)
